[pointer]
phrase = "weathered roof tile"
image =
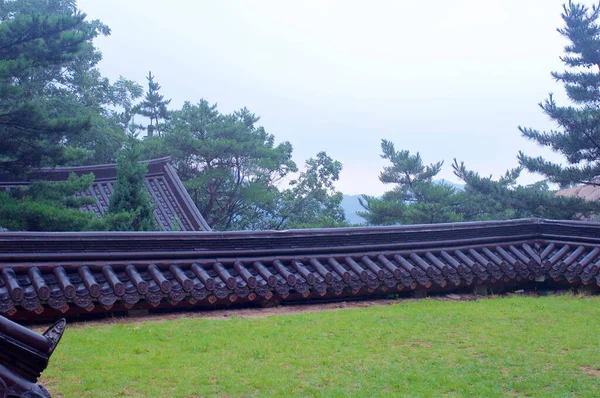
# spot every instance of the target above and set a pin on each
(174, 209)
(96, 271)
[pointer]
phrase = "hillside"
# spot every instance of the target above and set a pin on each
(351, 206)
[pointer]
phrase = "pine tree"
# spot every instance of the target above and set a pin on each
(578, 136)
(49, 206)
(229, 164)
(413, 185)
(417, 198)
(505, 198)
(129, 208)
(154, 107)
(37, 39)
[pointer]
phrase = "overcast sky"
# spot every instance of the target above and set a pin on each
(447, 78)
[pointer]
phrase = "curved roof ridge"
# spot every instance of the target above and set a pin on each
(163, 160)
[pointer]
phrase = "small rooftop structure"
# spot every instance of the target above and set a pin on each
(174, 209)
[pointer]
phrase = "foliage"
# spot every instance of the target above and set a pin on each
(232, 168)
(226, 161)
(311, 201)
(154, 107)
(535, 200)
(110, 116)
(417, 198)
(49, 206)
(577, 140)
(129, 208)
(517, 346)
(51, 110)
(35, 47)
(578, 136)
(56, 108)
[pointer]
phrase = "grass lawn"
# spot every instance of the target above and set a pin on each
(518, 346)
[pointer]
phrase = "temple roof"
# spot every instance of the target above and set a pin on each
(79, 272)
(174, 209)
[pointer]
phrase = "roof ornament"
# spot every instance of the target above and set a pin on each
(24, 355)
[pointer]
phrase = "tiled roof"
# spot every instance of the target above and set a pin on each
(79, 272)
(174, 208)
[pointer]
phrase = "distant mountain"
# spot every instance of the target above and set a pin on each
(351, 205)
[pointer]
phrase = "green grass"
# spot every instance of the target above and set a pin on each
(519, 346)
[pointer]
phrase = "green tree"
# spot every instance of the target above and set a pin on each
(513, 200)
(49, 206)
(418, 199)
(57, 109)
(232, 169)
(129, 208)
(578, 135)
(414, 192)
(311, 201)
(38, 39)
(110, 115)
(229, 165)
(154, 107)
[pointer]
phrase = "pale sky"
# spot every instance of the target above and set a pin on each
(447, 78)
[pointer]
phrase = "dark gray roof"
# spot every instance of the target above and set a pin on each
(174, 208)
(78, 272)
